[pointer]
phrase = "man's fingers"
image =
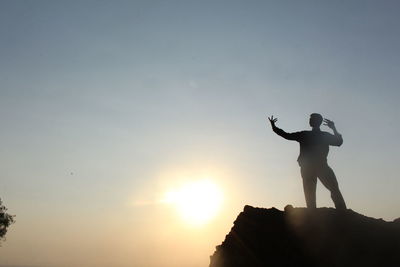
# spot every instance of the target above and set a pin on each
(272, 120)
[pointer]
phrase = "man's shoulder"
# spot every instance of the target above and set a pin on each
(326, 133)
(316, 134)
(305, 132)
(301, 135)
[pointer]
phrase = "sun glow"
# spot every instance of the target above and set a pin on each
(197, 202)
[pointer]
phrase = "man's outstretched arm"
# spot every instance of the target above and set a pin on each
(280, 132)
(338, 140)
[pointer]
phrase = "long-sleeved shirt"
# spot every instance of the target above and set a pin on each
(314, 145)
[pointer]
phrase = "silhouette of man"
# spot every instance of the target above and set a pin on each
(314, 148)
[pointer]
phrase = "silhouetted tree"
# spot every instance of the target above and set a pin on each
(5, 220)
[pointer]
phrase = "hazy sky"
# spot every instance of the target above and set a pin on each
(105, 105)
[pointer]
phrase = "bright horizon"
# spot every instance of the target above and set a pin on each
(117, 117)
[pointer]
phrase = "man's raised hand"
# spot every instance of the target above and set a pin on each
(272, 120)
(329, 123)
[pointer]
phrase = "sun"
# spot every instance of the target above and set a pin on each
(197, 202)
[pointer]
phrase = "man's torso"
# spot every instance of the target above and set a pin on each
(314, 147)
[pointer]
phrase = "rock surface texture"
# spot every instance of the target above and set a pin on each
(303, 237)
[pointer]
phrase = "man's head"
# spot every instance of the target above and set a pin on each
(315, 120)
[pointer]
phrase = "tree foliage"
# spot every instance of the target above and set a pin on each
(5, 220)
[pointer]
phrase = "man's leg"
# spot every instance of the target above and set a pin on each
(309, 186)
(328, 179)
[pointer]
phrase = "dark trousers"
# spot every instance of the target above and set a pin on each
(328, 179)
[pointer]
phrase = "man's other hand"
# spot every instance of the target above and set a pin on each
(329, 123)
(272, 120)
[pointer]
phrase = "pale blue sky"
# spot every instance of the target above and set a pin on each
(120, 92)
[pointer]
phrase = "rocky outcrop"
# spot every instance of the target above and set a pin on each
(308, 237)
